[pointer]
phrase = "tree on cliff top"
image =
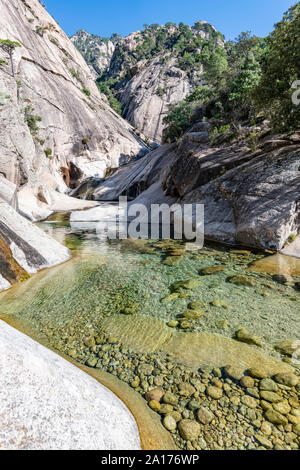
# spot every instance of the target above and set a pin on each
(9, 46)
(281, 68)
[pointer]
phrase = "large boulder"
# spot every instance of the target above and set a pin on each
(46, 403)
(256, 203)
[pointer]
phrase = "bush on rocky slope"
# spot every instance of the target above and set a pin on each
(251, 77)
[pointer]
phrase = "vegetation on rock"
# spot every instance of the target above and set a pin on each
(251, 78)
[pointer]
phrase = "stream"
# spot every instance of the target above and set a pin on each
(137, 308)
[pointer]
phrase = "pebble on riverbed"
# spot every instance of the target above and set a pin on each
(227, 408)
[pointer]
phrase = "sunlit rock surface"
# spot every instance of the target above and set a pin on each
(24, 248)
(47, 403)
(54, 120)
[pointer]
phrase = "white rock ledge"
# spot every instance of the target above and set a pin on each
(47, 403)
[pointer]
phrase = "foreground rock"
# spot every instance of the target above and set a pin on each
(24, 248)
(40, 387)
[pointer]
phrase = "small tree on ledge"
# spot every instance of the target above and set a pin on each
(9, 46)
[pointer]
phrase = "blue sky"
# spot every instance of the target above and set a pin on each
(104, 17)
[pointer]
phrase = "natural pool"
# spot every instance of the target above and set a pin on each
(125, 307)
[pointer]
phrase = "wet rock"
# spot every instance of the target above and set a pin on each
(155, 394)
(170, 423)
(129, 311)
(264, 441)
(249, 401)
(266, 428)
(186, 389)
(154, 405)
(222, 324)
(173, 323)
(172, 260)
(233, 372)
(282, 407)
(241, 280)
(89, 341)
(196, 305)
(176, 415)
(245, 337)
(257, 373)
(289, 348)
(282, 278)
(189, 429)
(268, 385)
(296, 429)
(275, 417)
(158, 381)
(266, 405)
(270, 396)
(290, 380)
(165, 409)
(193, 314)
(135, 382)
(253, 392)
(214, 392)
(91, 362)
(219, 304)
(247, 382)
(205, 416)
(212, 270)
(145, 369)
(185, 325)
(170, 398)
(170, 298)
(189, 284)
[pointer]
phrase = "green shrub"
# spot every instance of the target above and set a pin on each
(253, 140)
(108, 89)
(221, 133)
(48, 152)
(40, 30)
(76, 75)
(86, 91)
(31, 120)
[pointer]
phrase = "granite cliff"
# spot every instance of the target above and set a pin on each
(250, 196)
(152, 69)
(56, 128)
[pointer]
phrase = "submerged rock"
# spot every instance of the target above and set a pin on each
(212, 270)
(188, 285)
(189, 429)
(289, 348)
(245, 337)
(242, 280)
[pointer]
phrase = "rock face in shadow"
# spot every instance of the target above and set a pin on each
(255, 204)
(54, 121)
(132, 179)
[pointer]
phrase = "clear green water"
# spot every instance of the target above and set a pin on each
(106, 278)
